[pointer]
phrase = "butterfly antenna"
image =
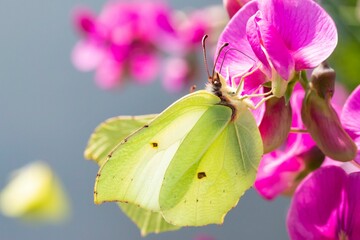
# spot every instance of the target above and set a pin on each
(204, 53)
(227, 51)
(218, 55)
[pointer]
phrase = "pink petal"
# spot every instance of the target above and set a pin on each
(262, 33)
(144, 66)
(232, 6)
(306, 29)
(276, 123)
(277, 173)
(87, 55)
(238, 58)
(350, 116)
(352, 220)
(314, 210)
(84, 20)
(108, 74)
(350, 119)
(176, 73)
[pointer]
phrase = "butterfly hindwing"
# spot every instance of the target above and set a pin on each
(146, 220)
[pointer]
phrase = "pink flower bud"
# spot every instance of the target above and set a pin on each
(276, 123)
(321, 119)
(323, 81)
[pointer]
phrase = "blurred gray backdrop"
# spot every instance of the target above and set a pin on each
(48, 110)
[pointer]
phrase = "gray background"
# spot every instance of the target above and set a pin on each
(48, 110)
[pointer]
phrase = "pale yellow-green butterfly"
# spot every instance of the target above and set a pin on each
(192, 163)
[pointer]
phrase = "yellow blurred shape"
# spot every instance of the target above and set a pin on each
(34, 193)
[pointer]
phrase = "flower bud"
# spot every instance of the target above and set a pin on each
(276, 123)
(323, 81)
(324, 125)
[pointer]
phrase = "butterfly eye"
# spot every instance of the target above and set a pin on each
(217, 83)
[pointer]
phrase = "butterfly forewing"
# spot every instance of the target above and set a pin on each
(136, 168)
(109, 133)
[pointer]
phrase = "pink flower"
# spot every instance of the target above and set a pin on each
(176, 71)
(124, 40)
(141, 40)
(350, 119)
(282, 170)
(277, 37)
(279, 170)
(326, 205)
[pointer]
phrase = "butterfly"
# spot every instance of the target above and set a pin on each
(191, 163)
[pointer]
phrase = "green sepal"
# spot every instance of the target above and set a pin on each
(290, 88)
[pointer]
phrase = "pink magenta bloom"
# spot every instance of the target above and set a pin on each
(277, 37)
(326, 205)
(350, 119)
(279, 169)
(141, 40)
(124, 40)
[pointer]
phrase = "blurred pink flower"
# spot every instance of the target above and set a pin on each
(277, 37)
(326, 205)
(131, 39)
(204, 237)
(232, 6)
(350, 118)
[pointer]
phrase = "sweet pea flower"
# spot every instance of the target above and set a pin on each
(281, 170)
(190, 27)
(142, 40)
(350, 119)
(326, 205)
(124, 40)
(278, 38)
